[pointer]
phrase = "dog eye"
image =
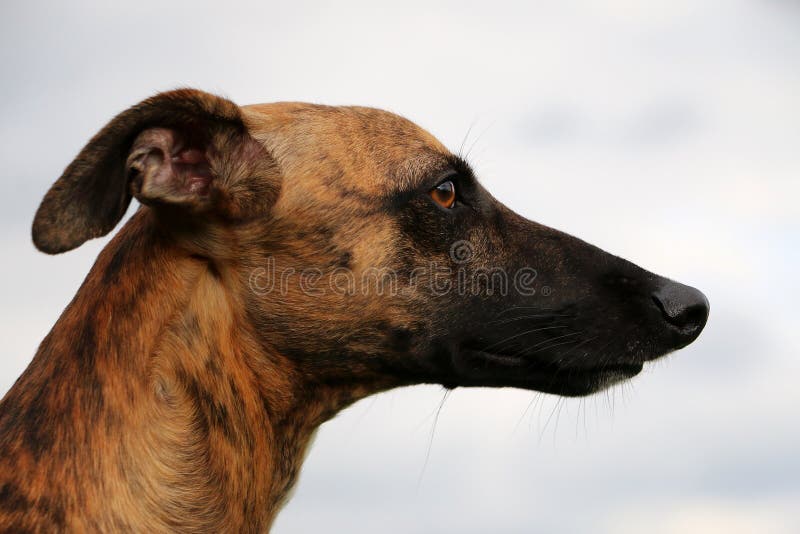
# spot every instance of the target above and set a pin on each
(444, 194)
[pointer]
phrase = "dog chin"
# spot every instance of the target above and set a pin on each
(479, 368)
(607, 379)
(582, 382)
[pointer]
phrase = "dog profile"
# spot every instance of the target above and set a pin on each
(287, 260)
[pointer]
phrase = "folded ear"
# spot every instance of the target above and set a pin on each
(182, 148)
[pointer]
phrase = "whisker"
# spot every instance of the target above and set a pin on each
(466, 136)
(475, 142)
(549, 417)
(537, 308)
(561, 370)
(522, 317)
(526, 332)
(536, 394)
(430, 440)
(548, 347)
(562, 356)
(558, 418)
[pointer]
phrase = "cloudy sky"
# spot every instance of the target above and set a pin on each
(667, 132)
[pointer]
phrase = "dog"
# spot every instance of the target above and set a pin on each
(287, 260)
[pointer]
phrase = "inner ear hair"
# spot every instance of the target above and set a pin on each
(93, 193)
(167, 166)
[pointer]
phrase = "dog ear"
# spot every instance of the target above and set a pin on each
(169, 150)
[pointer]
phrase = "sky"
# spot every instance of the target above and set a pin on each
(666, 132)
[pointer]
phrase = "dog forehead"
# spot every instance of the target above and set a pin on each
(364, 148)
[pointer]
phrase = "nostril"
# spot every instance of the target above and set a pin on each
(682, 306)
(660, 306)
(694, 316)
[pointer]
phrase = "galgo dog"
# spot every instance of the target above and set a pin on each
(285, 261)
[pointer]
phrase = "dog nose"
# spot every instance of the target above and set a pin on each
(683, 307)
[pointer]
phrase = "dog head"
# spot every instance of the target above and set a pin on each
(366, 252)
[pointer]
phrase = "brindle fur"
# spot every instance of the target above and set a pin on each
(170, 396)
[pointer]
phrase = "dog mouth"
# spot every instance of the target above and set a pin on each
(580, 346)
(477, 367)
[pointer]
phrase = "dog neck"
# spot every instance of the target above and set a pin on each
(180, 412)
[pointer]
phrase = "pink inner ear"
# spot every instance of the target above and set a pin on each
(191, 167)
(168, 168)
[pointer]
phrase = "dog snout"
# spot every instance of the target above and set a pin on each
(683, 307)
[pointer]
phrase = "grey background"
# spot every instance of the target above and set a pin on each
(666, 131)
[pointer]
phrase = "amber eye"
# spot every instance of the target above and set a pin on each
(444, 194)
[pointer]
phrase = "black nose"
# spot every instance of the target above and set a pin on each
(683, 307)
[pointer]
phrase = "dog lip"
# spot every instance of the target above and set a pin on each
(507, 359)
(480, 367)
(510, 360)
(593, 379)
(517, 359)
(626, 369)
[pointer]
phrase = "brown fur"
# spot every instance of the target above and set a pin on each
(158, 401)
(174, 395)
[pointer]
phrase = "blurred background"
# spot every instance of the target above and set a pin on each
(667, 132)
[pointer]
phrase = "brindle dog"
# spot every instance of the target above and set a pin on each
(181, 386)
